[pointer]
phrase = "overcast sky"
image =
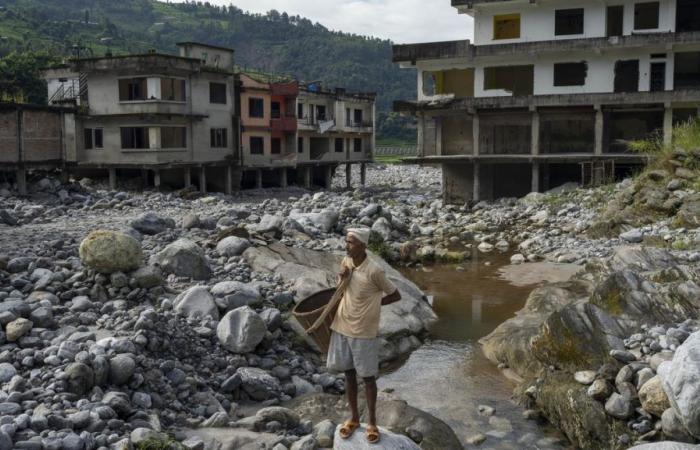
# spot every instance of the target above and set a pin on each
(402, 21)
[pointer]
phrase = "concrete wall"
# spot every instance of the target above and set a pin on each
(214, 57)
(41, 139)
(457, 135)
(217, 116)
(457, 182)
(537, 19)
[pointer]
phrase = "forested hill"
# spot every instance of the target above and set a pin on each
(273, 42)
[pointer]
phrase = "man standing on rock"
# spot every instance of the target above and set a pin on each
(354, 346)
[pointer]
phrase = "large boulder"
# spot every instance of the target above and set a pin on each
(196, 302)
(232, 246)
(183, 258)
(665, 445)
(241, 330)
(689, 213)
(7, 218)
(234, 294)
(150, 223)
(324, 220)
(110, 251)
(258, 384)
(387, 441)
(396, 416)
(653, 398)
(681, 381)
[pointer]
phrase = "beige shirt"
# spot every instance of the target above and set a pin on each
(359, 309)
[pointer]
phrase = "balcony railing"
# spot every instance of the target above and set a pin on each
(285, 123)
(359, 124)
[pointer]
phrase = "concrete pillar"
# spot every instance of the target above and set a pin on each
(421, 124)
(112, 179)
(599, 127)
(475, 134)
(535, 177)
(476, 190)
(156, 179)
(203, 179)
(228, 188)
(327, 176)
(438, 136)
(188, 177)
(348, 176)
(258, 178)
(668, 125)
(283, 177)
(535, 138)
(363, 173)
(21, 174)
(307, 176)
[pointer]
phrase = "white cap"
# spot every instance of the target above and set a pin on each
(361, 234)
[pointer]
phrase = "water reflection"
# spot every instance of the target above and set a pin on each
(449, 376)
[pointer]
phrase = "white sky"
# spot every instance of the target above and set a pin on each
(402, 21)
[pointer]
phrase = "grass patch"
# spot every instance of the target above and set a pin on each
(389, 159)
(395, 143)
(380, 248)
(686, 137)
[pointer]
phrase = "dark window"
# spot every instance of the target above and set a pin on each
(97, 141)
(570, 74)
(614, 20)
(172, 89)
(275, 110)
(357, 145)
(348, 117)
(300, 110)
(520, 80)
(627, 76)
(219, 137)
(88, 138)
(276, 146)
(687, 15)
(300, 145)
(173, 137)
(338, 145)
(134, 137)
(257, 145)
(646, 16)
(132, 89)
(256, 107)
(217, 93)
(320, 112)
(568, 21)
(358, 117)
(686, 72)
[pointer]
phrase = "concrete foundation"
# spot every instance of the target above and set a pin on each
(203, 180)
(283, 177)
(113, 179)
(348, 176)
(363, 173)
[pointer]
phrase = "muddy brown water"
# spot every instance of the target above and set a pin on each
(449, 376)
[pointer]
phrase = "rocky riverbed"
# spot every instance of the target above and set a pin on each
(173, 321)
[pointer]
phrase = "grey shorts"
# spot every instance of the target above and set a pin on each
(346, 353)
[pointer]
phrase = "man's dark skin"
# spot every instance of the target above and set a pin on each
(358, 252)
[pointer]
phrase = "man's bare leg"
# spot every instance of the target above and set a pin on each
(351, 391)
(371, 393)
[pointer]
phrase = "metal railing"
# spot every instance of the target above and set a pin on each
(396, 151)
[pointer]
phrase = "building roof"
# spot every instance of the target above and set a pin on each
(199, 44)
(469, 4)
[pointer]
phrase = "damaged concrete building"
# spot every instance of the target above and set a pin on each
(191, 119)
(552, 91)
(172, 118)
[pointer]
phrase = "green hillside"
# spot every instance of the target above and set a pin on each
(274, 42)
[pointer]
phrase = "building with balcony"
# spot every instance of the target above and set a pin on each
(268, 128)
(334, 127)
(552, 91)
(171, 117)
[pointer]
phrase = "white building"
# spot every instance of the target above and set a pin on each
(551, 91)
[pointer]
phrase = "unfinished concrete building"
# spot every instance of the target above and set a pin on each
(334, 127)
(552, 91)
(172, 118)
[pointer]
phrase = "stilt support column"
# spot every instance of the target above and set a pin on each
(113, 179)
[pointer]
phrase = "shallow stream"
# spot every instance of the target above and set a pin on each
(449, 376)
